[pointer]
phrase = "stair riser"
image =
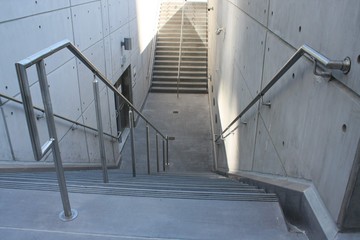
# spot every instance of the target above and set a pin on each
(190, 91)
(182, 79)
(182, 68)
(169, 63)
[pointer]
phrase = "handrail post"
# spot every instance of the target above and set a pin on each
(132, 139)
(68, 214)
(157, 153)
(164, 154)
(167, 151)
(100, 129)
(148, 148)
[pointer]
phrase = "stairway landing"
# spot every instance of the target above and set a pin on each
(186, 120)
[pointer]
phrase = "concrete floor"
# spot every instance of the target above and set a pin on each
(186, 119)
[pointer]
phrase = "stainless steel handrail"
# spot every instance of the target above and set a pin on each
(55, 115)
(67, 44)
(180, 49)
(318, 58)
(53, 143)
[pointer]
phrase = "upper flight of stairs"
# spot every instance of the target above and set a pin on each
(181, 54)
(201, 186)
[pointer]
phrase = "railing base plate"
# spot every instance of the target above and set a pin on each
(74, 214)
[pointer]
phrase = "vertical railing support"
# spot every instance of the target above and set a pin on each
(132, 139)
(167, 151)
(68, 213)
(157, 153)
(164, 154)
(100, 129)
(148, 148)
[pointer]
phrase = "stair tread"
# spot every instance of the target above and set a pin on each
(170, 185)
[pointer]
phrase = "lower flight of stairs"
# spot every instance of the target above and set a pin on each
(201, 186)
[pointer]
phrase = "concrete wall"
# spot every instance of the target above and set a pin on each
(96, 28)
(311, 132)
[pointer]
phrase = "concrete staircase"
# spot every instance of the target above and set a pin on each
(163, 206)
(200, 186)
(181, 49)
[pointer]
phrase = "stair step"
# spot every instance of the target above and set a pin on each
(182, 78)
(181, 84)
(179, 186)
(180, 90)
(183, 63)
(182, 73)
(183, 53)
(161, 42)
(160, 68)
(183, 58)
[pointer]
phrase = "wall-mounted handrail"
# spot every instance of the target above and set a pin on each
(318, 58)
(57, 116)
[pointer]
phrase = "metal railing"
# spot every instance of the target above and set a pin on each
(55, 115)
(316, 57)
(53, 143)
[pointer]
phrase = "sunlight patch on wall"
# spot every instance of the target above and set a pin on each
(147, 21)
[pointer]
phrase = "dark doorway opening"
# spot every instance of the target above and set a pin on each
(123, 84)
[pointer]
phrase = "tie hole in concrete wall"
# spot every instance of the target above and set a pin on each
(344, 127)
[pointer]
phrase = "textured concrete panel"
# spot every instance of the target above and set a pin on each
(19, 134)
(330, 141)
(96, 55)
(330, 27)
(73, 147)
(78, 2)
(5, 149)
(134, 37)
(25, 37)
(304, 109)
(120, 58)
(242, 133)
(257, 9)
(118, 13)
(10, 9)
(87, 15)
(108, 64)
(105, 17)
(64, 90)
(289, 98)
(132, 9)
(266, 158)
(249, 49)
